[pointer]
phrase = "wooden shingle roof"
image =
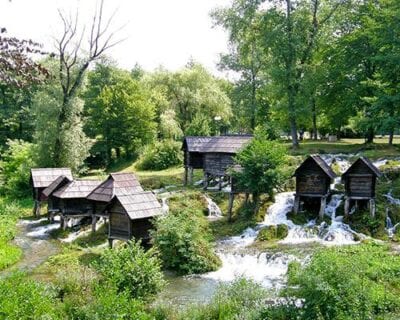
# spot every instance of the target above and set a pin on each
(218, 144)
(194, 144)
(374, 170)
(140, 205)
(76, 189)
(43, 177)
(116, 184)
(59, 182)
(321, 163)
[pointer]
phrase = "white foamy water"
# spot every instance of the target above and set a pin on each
(42, 232)
(269, 269)
(380, 163)
(164, 205)
(277, 212)
(213, 209)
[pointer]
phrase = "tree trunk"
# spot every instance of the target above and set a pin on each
(370, 135)
(391, 134)
(314, 120)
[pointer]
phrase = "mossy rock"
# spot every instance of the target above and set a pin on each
(277, 232)
(282, 231)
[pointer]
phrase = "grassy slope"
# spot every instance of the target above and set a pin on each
(10, 212)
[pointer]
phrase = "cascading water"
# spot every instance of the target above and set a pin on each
(213, 210)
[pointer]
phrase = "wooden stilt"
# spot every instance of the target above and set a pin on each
(94, 221)
(36, 209)
(220, 183)
(372, 207)
(246, 199)
(185, 176)
(347, 207)
(296, 205)
(110, 243)
(62, 221)
(322, 208)
(230, 206)
(205, 182)
(190, 182)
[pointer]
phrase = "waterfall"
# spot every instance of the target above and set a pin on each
(269, 269)
(213, 209)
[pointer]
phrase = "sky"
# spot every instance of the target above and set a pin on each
(156, 32)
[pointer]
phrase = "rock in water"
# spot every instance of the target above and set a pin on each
(273, 232)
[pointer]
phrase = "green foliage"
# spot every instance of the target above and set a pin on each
(9, 214)
(132, 269)
(183, 240)
(200, 126)
(261, 161)
(160, 155)
(277, 232)
(357, 282)
(15, 168)
(241, 299)
(21, 298)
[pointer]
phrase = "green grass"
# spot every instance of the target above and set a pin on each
(10, 212)
(379, 149)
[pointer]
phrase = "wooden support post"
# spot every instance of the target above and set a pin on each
(346, 207)
(185, 176)
(110, 243)
(36, 209)
(205, 182)
(62, 222)
(372, 207)
(246, 199)
(322, 208)
(230, 206)
(296, 205)
(220, 183)
(94, 221)
(190, 182)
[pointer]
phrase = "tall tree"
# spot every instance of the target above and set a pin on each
(73, 63)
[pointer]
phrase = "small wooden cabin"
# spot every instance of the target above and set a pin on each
(72, 199)
(218, 156)
(313, 180)
(117, 184)
(53, 203)
(130, 216)
(192, 155)
(360, 181)
(41, 178)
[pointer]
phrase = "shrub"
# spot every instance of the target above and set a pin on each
(21, 298)
(160, 155)
(15, 168)
(357, 282)
(130, 268)
(273, 232)
(184, 242)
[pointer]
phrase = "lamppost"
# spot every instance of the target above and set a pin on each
(217, 119)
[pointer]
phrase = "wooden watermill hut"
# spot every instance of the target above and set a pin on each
(117, 184)
(313, 180)
(53, 203)
(360, 181)
(41, 178)
(218, 154)
(130, 216)
(192, 155)
(72, 199)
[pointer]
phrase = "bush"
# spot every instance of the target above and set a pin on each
(130, 268)
(184, 242)
(15, 168)
(161, 155)
(273, 232)
(21, 298)
(357, 282)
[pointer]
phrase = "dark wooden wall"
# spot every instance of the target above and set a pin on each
(193, 159)
(217, 163)
(360, 185)
(312, 180)
(120, 226)
(75, 206)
